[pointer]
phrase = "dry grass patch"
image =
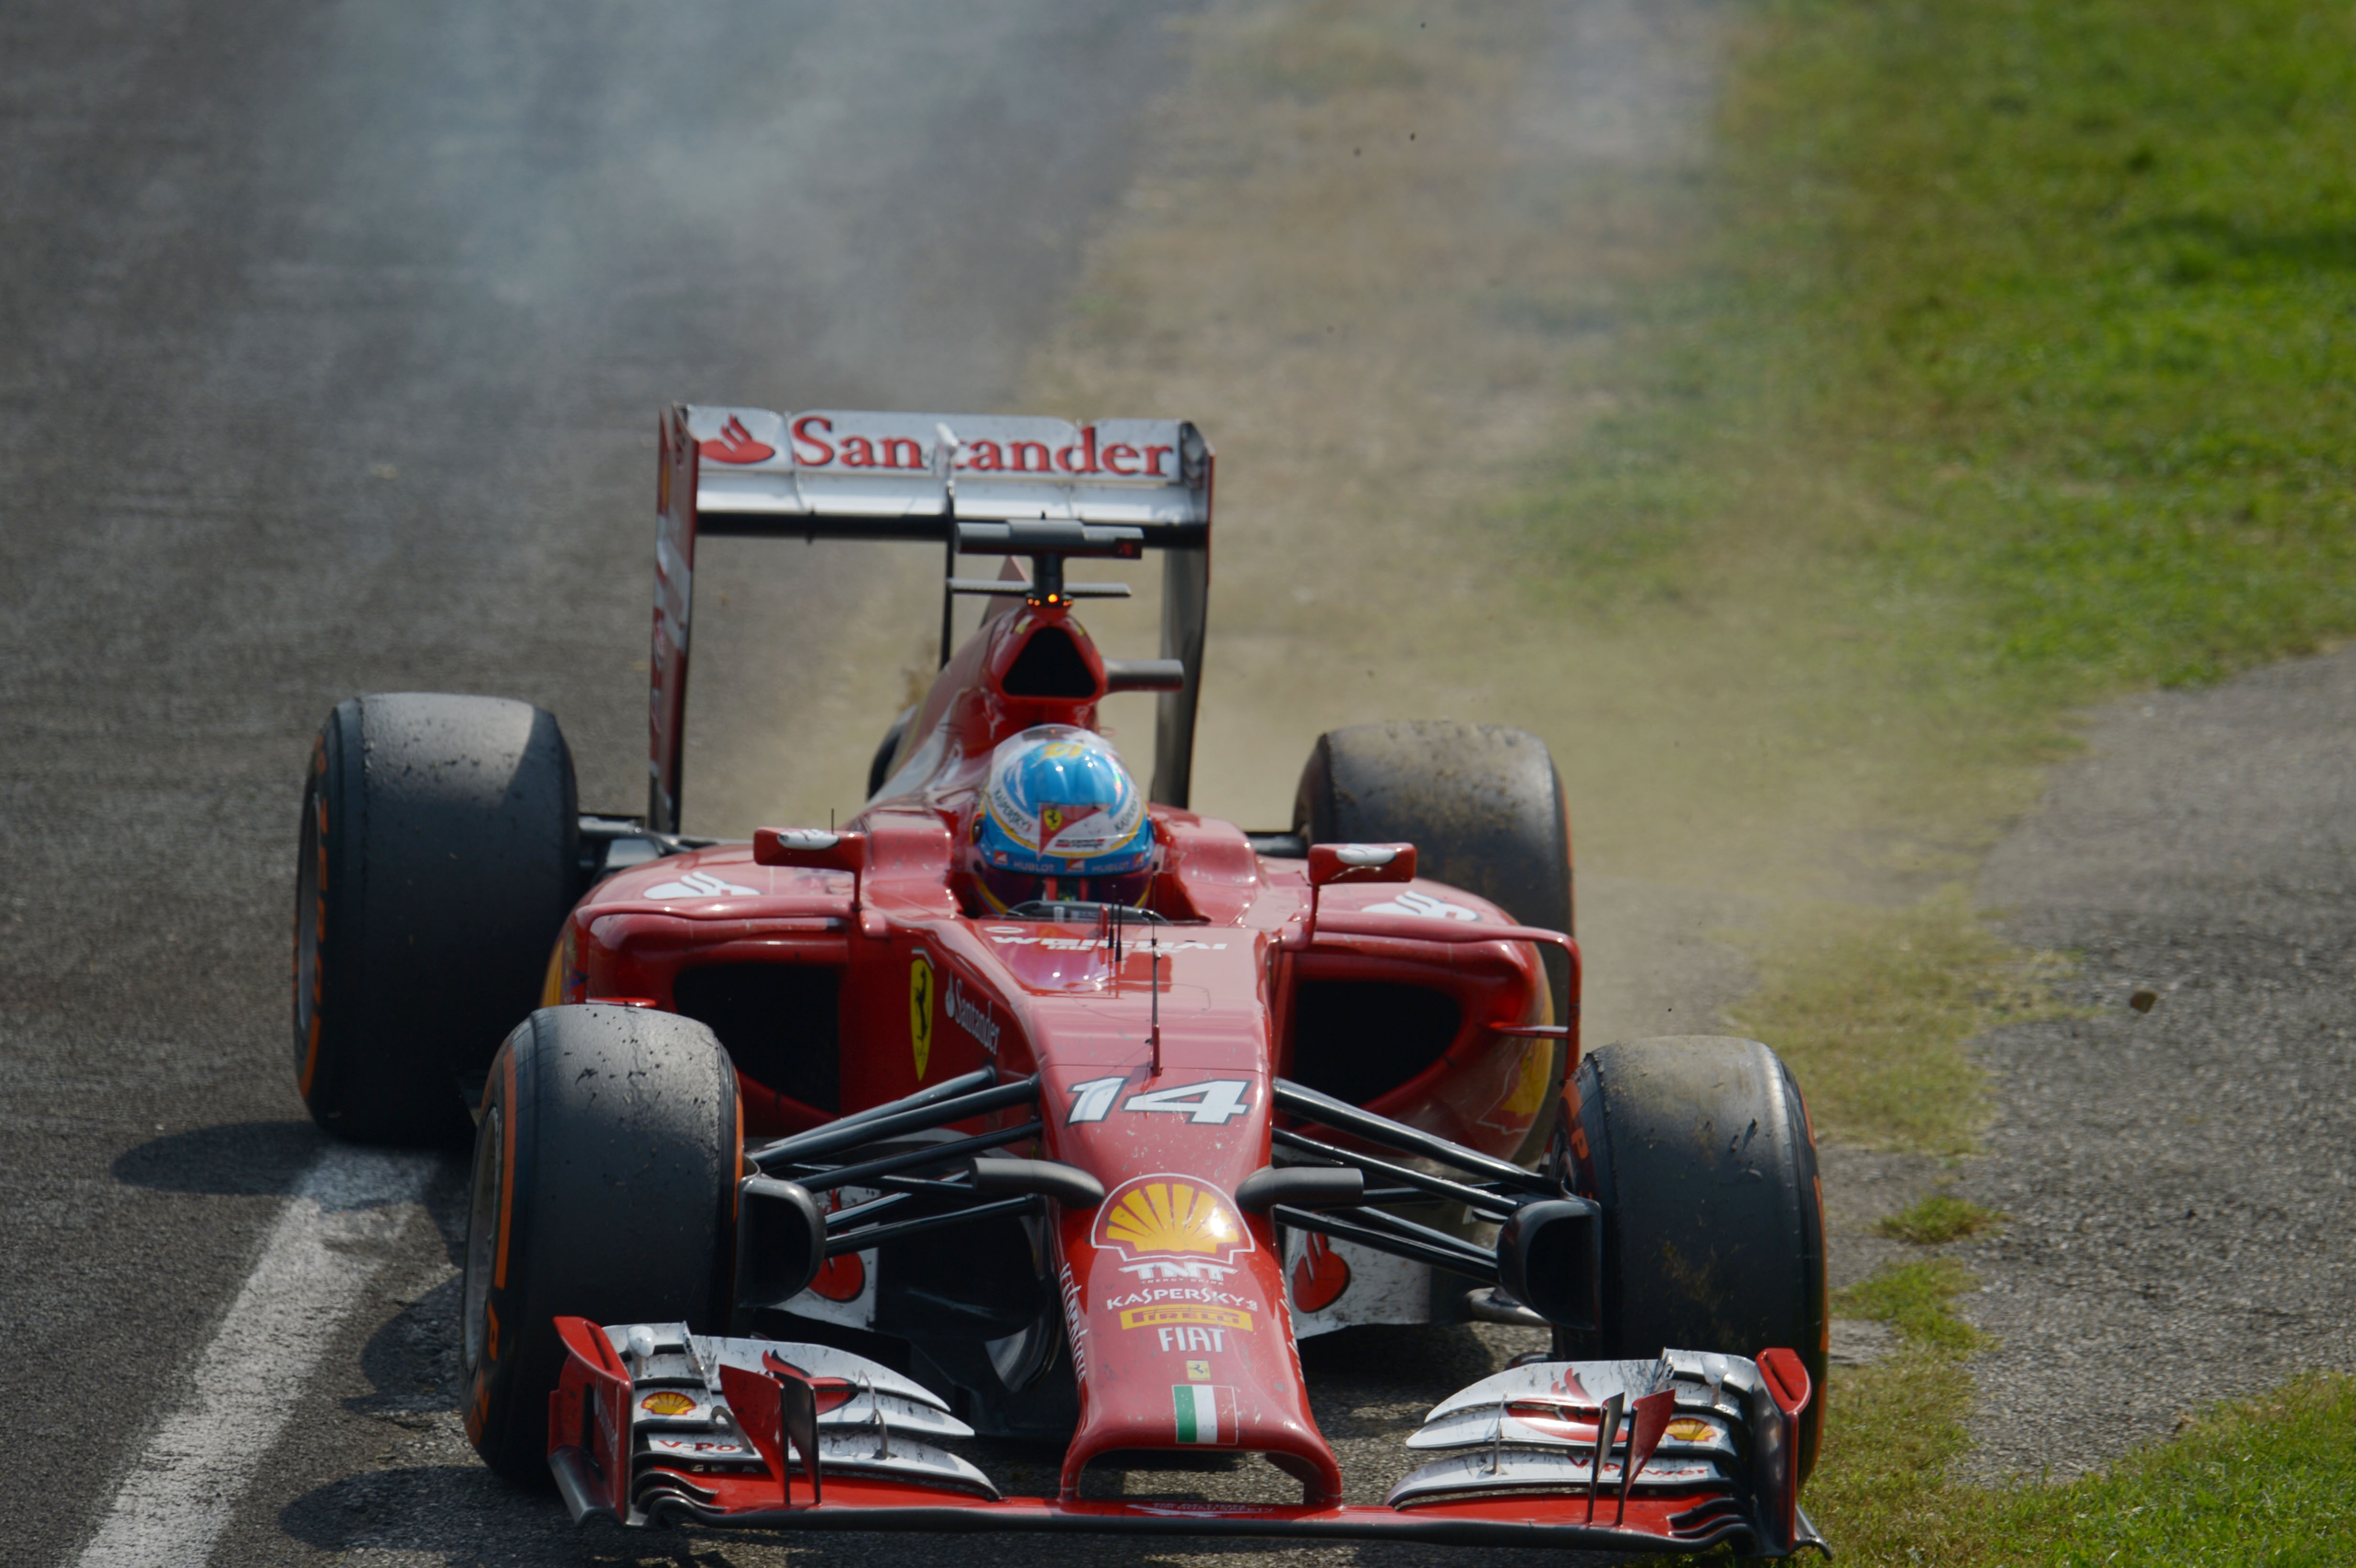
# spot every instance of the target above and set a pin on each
(1939, 1219)
(1871, 1007)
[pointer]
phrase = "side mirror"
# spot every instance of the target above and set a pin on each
(822, 849)
(1331, 863)
(815, 849)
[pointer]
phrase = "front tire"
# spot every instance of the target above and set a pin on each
(605, 1188)
(440, 853)
(1698, 1148)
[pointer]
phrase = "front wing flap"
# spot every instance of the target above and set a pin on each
(650, 1424)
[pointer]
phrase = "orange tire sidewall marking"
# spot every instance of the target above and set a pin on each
(507, 1162)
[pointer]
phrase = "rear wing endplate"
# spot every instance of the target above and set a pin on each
(837, 475)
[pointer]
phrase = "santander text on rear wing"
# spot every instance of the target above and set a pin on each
(836, 474)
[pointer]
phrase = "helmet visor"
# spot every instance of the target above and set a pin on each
(1002, 889)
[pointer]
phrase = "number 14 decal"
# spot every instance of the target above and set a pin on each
(1215, 1103)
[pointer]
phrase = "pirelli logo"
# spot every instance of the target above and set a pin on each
(1162, 1317)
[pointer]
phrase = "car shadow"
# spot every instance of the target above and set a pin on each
(450, 1511)
(269, 1159)
(411, 1363)
(240, 1159)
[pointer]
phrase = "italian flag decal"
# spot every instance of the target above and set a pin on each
(1206, 1413)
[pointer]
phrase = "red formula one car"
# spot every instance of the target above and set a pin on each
(824, 1153)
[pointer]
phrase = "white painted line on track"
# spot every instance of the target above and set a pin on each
(327, 1246)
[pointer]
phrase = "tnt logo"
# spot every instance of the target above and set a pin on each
(1178, 1268)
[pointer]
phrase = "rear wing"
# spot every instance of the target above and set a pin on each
(754, 473)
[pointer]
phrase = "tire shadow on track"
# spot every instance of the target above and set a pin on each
(239, 1160)
(269, 1159)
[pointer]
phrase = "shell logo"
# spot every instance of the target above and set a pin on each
(1169, 1216)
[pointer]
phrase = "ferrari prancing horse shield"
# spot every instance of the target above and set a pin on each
(920, 1012)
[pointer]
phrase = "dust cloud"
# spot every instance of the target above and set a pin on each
(1384, 257)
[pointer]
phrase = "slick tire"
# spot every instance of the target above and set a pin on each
(440, 853)
(1698, 1148)
(1483, 806)
(605, 1188)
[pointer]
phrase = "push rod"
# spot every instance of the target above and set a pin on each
(1409, 1230)
(876, 1235)
(948, 1089)
(1484, 1269)
(909, 1159)
(804, 1148)
(860, 1213)
(1310, 1105)
(1437, 1186)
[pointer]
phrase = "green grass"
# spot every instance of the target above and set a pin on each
(2269, 1481)
(2021, 373)
(2086, 278)
(1938, 1220)
(2025, 358)
(1913, 1298)
(1892, 1429)
(2260, 1482)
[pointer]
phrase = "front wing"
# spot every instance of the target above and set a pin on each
(650, 1424)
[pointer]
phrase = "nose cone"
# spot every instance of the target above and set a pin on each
(1174, 1296)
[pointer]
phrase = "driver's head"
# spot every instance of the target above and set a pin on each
(1060, 818)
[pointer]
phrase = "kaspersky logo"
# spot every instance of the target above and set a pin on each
(1167, 1226)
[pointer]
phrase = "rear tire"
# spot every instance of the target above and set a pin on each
(1698, 1148)
(605, 1188)
(1483, 806)
(440, 854)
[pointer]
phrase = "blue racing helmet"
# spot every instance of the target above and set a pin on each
(1060, 818)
